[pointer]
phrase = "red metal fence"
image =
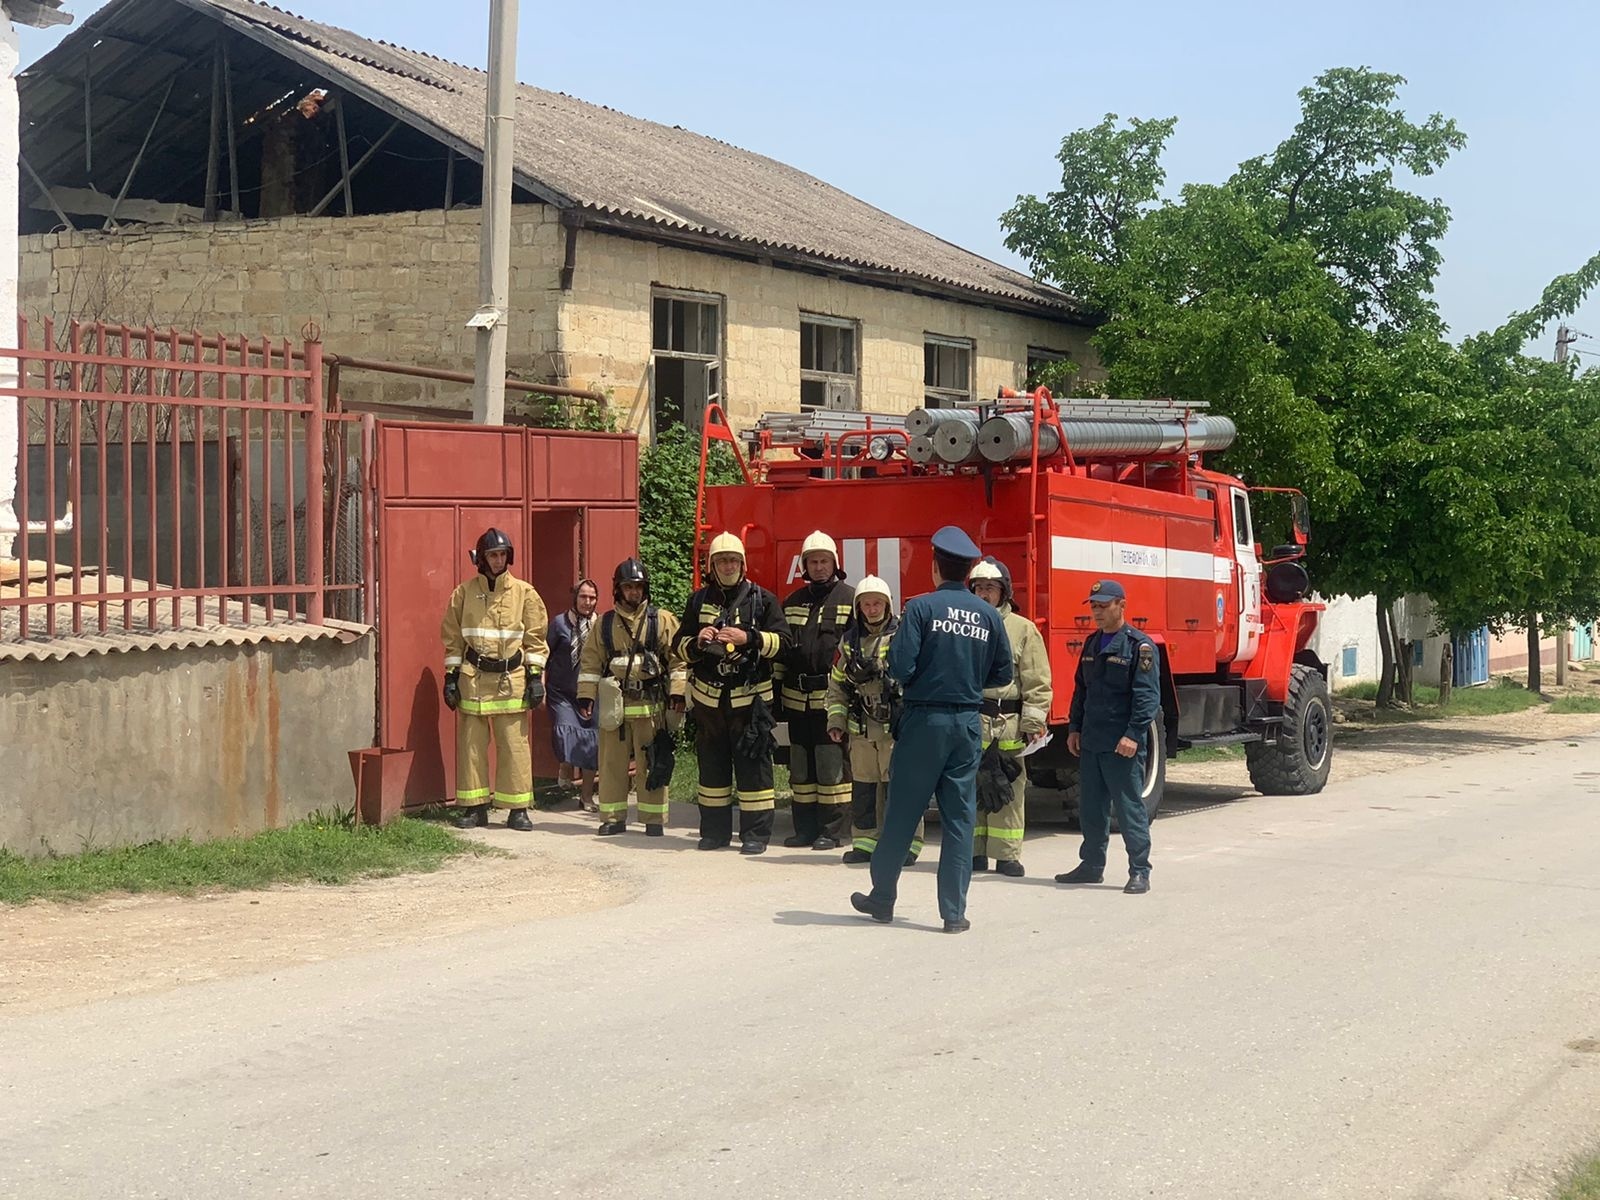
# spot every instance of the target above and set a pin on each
(178, 480)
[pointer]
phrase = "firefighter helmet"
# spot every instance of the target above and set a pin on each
(725, 543)
(629, 570)
(991, 568)
(492, 539)
(820, 543)
(871, 585)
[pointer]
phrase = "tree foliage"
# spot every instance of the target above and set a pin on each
(1297, 297)
(669, 478)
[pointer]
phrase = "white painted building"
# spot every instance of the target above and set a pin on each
(1347, 639)
(39, 14)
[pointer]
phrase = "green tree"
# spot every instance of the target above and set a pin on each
(669, 478)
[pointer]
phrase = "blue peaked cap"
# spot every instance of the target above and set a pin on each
(953, 540)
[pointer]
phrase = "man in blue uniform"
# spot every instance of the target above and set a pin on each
(1115, 695)
(948, 649)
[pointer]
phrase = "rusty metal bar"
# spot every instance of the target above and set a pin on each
(101, 422)
(75, 483)
(314, 491)
(49, 485)
(23, 542)
(174, 386)
(150, 582)
(290, 525)
(266, 483)
(369, 519)
(127, 486)
(444, 376)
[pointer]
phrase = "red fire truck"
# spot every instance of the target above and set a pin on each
(1064, 494)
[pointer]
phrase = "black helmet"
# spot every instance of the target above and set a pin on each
(492, 539)
(629, 570)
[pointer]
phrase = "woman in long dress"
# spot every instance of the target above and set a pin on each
(573, 738)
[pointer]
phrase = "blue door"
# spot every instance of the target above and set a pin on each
(1582, 643)
(1472, 658)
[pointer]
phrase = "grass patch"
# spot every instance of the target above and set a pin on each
(1505, 695)
(324, 849)
(1202, 754)
(1582, 1182)
(685, 785)
(1358, 691)
(1575, 704)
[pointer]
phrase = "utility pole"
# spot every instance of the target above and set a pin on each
(494, 261)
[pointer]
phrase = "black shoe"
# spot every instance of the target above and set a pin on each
(1138, 884)
(612, 828)
(1011, 868)
(753, 848)
(519, 820)
(654, 831)
(474, 816)
(794, 841)
(979, 864)
(958, 926)
(864, 903)
(1082, 874)
(711, 843)
(825, 843)
(911, 860)
(854, 856)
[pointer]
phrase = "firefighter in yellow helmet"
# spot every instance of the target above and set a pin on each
(632, 647)
(494, 655)
(1011, 715)
(862, 698)
(731, 633)
(817, 612)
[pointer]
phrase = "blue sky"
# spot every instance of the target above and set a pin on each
(941, 113)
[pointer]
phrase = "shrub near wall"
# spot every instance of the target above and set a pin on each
(669, 473)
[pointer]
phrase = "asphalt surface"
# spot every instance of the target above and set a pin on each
(1390, 990)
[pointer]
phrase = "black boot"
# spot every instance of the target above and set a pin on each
(1138, 883)
(911, 860)
(716, 827)
(864, 903)
(979, 864)
(853, 855)
(519, 820)
(755, 831)
(654, 831)
(612, 828)
(804, 813)
(711, 843)
(825, 843)
(1009, 867)
(1082, 873)
(751, 846)
(473, 816)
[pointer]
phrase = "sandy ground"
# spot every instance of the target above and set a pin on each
(55, 956)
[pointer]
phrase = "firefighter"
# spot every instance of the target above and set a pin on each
(861, 703)
(731, 633)
(632, 645)
(1012, 716)
(817, 612)
(1115, 695)
(494, 656)
(948, 649)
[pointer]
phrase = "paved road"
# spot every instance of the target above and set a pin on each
(1390, 990)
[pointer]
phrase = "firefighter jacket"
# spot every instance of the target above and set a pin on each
(723, 676)
(817, 614)
(1117, 690)
(1018, 710)
(860, 692)
(495, 636)
(634, 647)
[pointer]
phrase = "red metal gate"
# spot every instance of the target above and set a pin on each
(569, 500)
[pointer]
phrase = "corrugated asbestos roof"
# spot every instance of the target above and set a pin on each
(112, 642)
(41, 14)
(623, 172)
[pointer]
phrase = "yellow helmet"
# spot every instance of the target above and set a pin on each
(725, 543)
(871, 585)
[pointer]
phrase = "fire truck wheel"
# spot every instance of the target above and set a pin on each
(1297, 764)
(1065, 778)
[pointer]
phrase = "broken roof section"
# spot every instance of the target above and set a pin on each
(40, 14)
(609, 170)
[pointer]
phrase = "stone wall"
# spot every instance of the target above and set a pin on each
(119, 749)
(398, 287)
(605, 329)
(401, 286)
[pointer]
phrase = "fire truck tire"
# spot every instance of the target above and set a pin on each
(1297, 764)
(1065, 778)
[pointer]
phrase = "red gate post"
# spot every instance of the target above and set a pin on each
(315, 499)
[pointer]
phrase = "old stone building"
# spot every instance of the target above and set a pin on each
(224, 164)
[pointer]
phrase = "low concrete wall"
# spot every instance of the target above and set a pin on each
(125, 748)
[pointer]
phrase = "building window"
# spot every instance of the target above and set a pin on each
(686, 357)
(1041, 368)
(946, 370)
(829, 366)
(1348, 661)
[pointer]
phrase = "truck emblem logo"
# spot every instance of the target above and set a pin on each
(1221, 608)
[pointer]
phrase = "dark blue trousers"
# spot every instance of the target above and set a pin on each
(1107, 781)
(936, 755)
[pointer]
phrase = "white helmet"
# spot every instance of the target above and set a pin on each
(871, 585)
(819, 543)
(991, 570)
(725, 543)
